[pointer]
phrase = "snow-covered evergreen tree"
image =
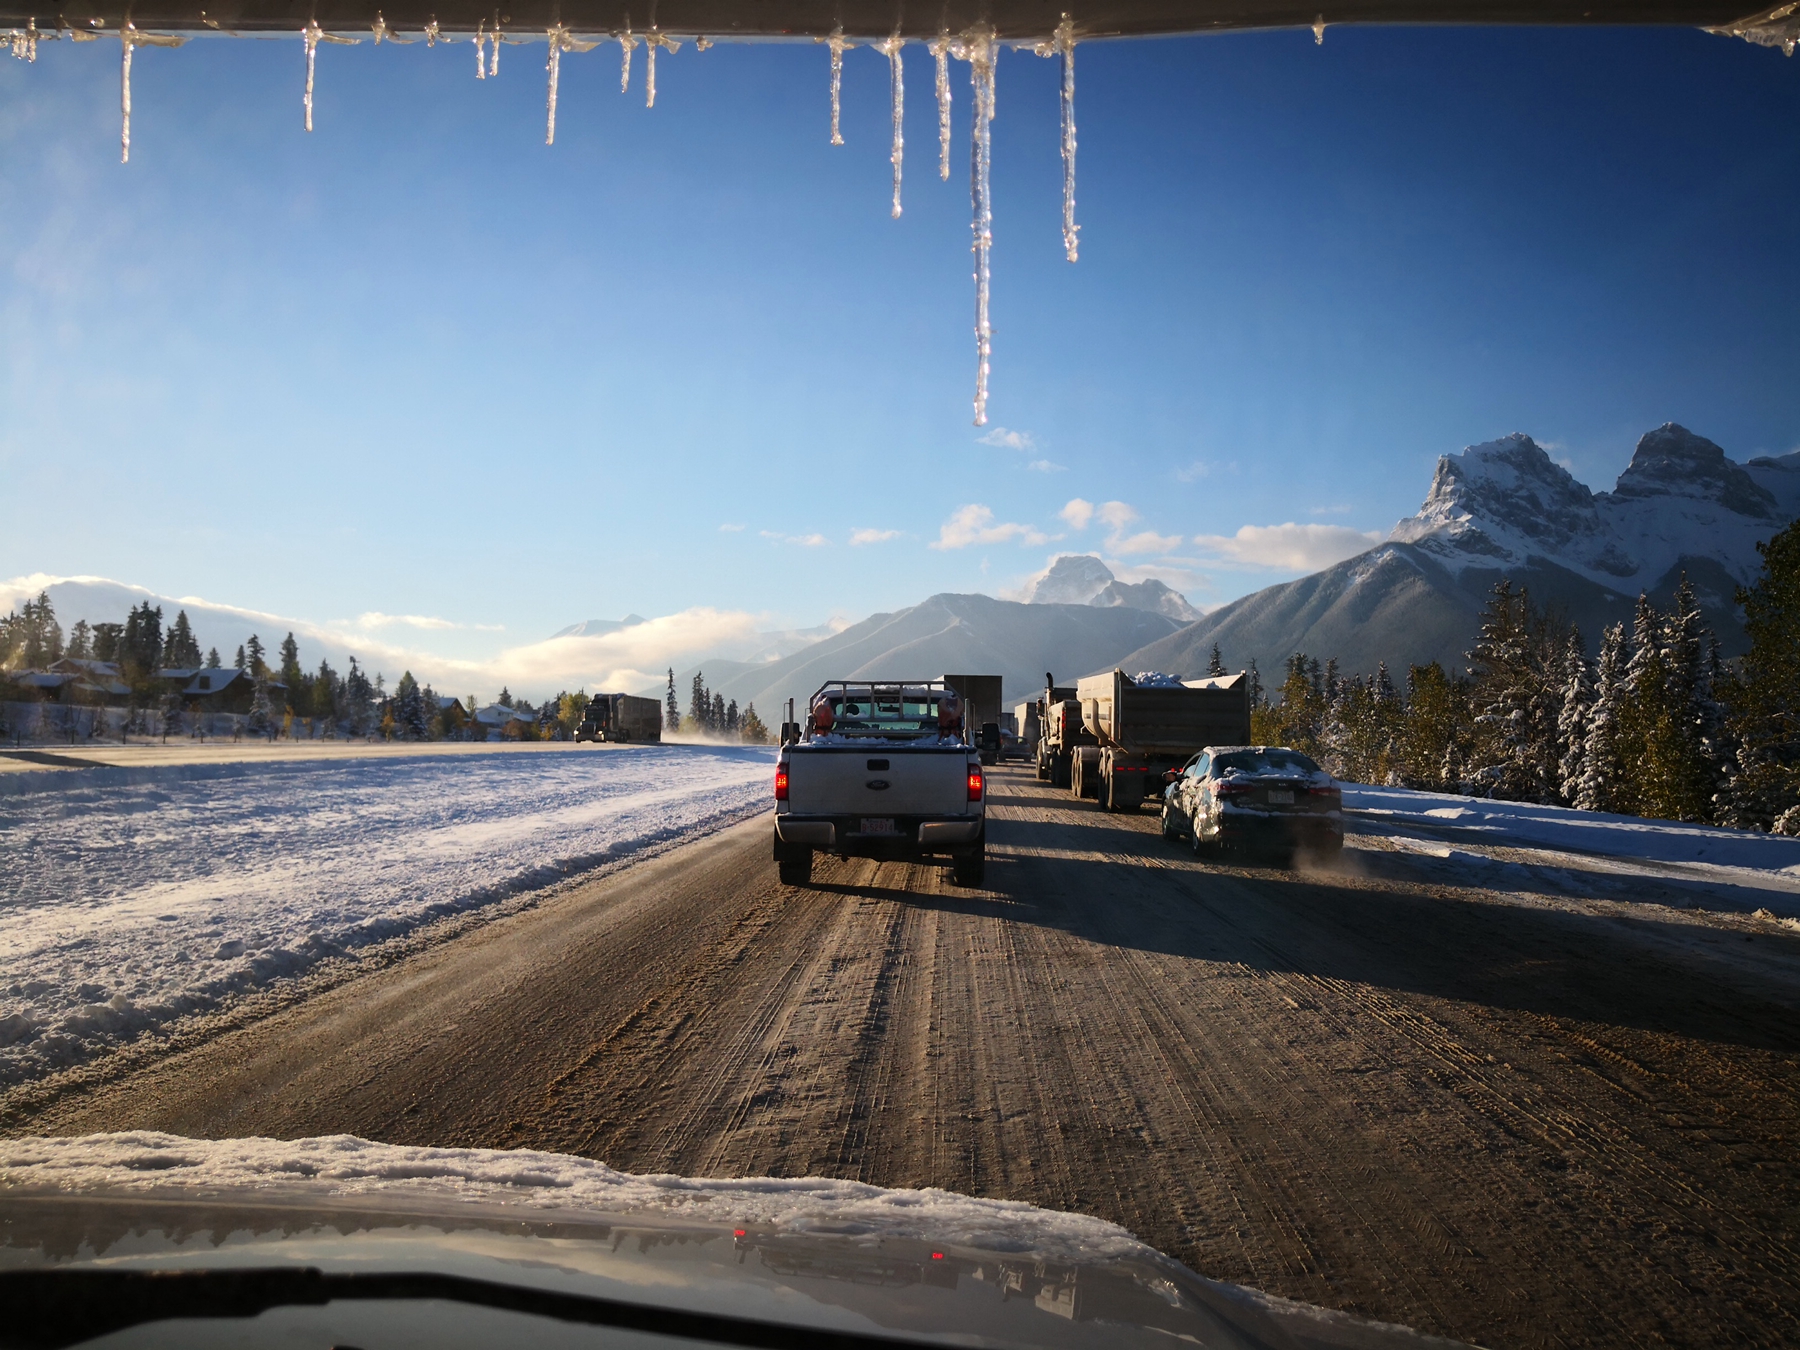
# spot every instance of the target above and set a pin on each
(1216, 665)
(1599, 785)
(260, 722)
(671, 706)
(1763, 786)
(1572, 721)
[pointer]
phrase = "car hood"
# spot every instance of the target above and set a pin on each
(260, 1225)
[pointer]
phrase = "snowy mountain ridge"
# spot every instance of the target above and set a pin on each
(1505, 503)
(1083, 579)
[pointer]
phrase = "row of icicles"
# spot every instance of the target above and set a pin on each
(979, 47)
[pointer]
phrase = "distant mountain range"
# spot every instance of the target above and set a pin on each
(970, 633)
(1506, 509)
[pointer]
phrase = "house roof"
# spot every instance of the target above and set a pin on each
(212, 680)
(496, 715)
(81, 665)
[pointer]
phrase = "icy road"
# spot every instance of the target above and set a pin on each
(1481, 1080)
(130, 897)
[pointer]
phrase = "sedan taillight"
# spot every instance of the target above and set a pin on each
(1233, 789)
(781, 789)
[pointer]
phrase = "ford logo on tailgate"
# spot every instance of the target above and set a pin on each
(878, 784)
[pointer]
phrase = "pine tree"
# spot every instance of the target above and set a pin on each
(1216, 664)
(409, 708)
(253, 650)
(505, 700)
(1601, 784)
(108, 638)
(731, 718)
(717, 723)
(240, 661)
(699, 703)
(180, 651)
(294, 677)
(1517, 662)
(1762, 790)
(1572, 721)
(1257, 697)
(753, 732)
(671, 708)
(81, 641)
(260, 722)
(212, 658)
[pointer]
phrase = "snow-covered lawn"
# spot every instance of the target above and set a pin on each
(1666, 841)
(132, 896)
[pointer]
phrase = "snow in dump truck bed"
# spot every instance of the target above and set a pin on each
(132, 896)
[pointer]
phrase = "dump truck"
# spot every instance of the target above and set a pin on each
(1060, 732)
(1141, 728)
(621, 717)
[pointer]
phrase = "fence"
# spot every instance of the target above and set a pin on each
(73, 724)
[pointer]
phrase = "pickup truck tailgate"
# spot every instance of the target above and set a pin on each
(878, 782)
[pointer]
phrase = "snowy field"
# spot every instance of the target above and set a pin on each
(1730, 869)
(133, 896)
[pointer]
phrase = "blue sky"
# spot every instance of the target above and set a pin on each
(417, 363)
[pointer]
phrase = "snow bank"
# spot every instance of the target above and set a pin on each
(343, 1165)
(1630, 837)
(130, 897)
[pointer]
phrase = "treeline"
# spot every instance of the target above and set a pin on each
(709, 714)
(1657, 725)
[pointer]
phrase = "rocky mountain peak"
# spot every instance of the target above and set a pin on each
(1503, 499)
(1073, 579)
(1673, 462)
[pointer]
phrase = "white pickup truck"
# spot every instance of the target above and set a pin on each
(883, 770)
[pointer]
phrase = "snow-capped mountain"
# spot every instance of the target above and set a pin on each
(1082, 579)
(1506, 509)
(1507, 502)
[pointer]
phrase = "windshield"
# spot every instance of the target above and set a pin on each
(1262, 761)
(626, 610)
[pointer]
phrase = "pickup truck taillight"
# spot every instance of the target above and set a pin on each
(974, 785)
(781, 784)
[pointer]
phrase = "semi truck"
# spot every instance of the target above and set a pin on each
(621, 717)
(1140, 728)
(1060, 732)
(881, 770)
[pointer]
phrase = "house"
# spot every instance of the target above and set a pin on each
(220, 688)
(69, 680)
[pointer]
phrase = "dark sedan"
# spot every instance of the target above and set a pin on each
(1261, 798)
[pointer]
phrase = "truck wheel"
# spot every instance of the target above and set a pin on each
(1103, 790)
(795, 865)
(1059, 771)
(970, 870)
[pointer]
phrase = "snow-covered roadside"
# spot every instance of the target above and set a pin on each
(1729, 871)
(132, 897)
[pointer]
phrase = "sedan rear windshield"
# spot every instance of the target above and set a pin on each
(1263, 761)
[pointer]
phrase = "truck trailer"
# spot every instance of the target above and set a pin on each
(1060, 732)
(621, 717)
(1141, 728)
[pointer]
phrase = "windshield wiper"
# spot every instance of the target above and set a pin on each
(48, 1309)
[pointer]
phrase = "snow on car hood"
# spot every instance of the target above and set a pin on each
(930, 1265)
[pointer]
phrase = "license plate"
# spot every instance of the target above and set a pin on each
(1281, 796)
(882, 825)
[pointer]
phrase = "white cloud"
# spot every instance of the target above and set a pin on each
(803, 540)
(1116, 514)
(1145, 541)
(730, 529)
(974, 524)
(375, 619)
(1045, 466)
(1077, 513)
(873, 536)
(1008, 440)
(1193, 473)
(1330, 511)
(1289, 547)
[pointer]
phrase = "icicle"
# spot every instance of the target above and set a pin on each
(891, 49)
(313, 36)
(627, 44)
(940, 49)
(653, 40)
(554, 65)
(379, 28)
(494, 49)
(981, 52)
(1065, 41)
(702, 43)
(838, 46)
(480, 41)
(25, 41)
(1319, 31)
(431, 32)
(125, 94)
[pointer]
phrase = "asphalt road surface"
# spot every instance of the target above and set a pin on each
(1513, 1114)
